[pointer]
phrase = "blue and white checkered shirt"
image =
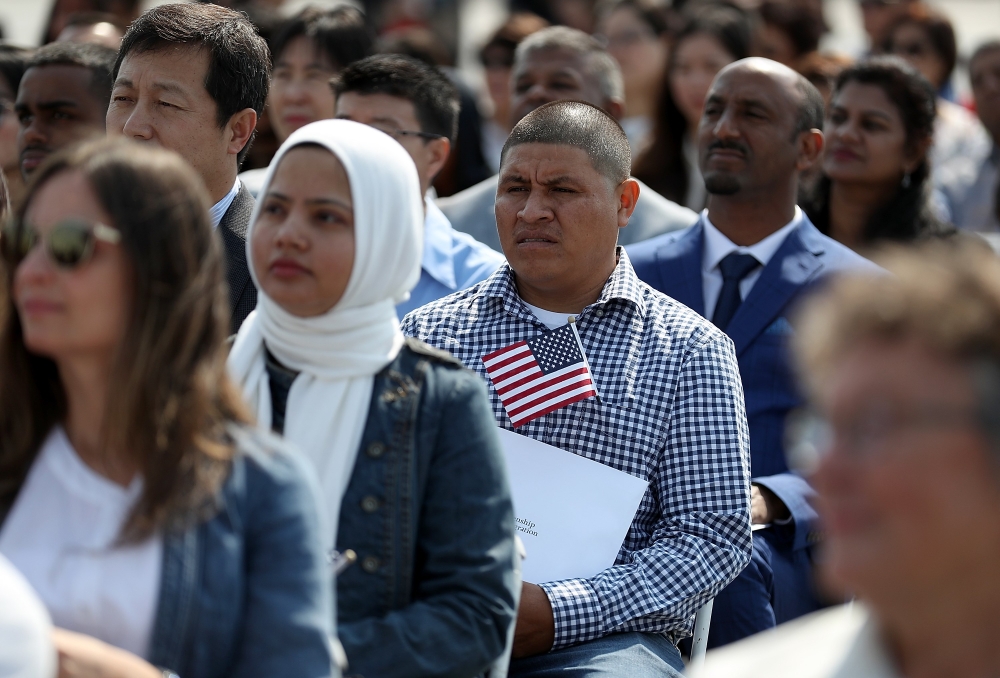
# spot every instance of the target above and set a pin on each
(670, 412)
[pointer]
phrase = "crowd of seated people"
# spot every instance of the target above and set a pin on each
(253, 422)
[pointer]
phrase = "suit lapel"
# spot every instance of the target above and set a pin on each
(233, 229)
(678, 264)
(794, 265)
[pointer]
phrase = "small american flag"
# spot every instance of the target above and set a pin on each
(540, 376)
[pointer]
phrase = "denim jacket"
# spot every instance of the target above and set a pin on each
(428, 513)
(246, 594)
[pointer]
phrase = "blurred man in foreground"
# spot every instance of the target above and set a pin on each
(905, 373)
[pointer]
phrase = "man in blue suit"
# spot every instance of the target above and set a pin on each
(746, 262)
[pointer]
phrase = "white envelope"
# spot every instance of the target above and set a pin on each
(572, 513)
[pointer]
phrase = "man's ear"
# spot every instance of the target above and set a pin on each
(627, 194)
(810, 149)
(240, 127)
(438, 151)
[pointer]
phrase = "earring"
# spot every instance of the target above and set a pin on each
(906, 180)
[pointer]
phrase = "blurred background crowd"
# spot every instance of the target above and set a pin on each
(668, 52)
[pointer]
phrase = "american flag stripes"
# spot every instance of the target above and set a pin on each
(540, 376)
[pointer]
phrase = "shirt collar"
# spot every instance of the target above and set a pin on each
(623, 284)
(219, 209)
(718, 246)
(438, 260)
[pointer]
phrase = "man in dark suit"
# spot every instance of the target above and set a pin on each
(748, 260)
(193, 78)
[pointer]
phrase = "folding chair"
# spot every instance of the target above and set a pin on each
(699, 642)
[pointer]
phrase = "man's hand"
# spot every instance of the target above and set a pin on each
(81, 656)
(765, 507)
(536, 628)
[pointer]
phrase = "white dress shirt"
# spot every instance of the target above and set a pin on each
(717, 247)
(219, 209)
(61, 534)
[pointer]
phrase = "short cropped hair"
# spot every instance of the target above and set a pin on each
(811, 106)
(984, 49)
(341, 33)
(604, 66)
(945, 295)
(579, 124)
(98, 59)
(434, 97)
(13, 63)
(239, 68)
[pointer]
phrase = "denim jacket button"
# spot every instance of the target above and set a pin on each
(369, 504)
(375, 450)
(370, 564)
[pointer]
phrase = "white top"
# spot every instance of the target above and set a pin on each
(61, 535)
(550, 319)
(218, 210)
(717, 247)
(841, 642)
(25, 629)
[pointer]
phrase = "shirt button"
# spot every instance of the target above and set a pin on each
(375, 450)
(599, 313)
(370, 504)
(370, 564)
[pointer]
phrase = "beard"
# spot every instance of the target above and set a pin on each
(722, 184)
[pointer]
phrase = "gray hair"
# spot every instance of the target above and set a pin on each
(609, 75)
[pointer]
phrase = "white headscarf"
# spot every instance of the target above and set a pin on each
(338, 353)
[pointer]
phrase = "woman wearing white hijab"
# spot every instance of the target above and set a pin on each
(402, 438)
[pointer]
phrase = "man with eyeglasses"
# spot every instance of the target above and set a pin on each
(903, 371)
(417, 105)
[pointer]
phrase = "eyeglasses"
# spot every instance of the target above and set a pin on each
(397, 133)
(69, 243)
(809, 436)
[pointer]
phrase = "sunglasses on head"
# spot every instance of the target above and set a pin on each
(70, 242)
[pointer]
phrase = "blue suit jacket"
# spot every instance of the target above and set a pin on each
(777, 585)
(760, 329)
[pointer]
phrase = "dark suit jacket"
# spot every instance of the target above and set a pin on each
(233, 230)
(780, 569)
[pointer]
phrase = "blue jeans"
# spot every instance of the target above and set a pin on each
(628, 655)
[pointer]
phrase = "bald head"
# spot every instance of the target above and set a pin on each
(809, 100)
(578, 124)
(760, 128)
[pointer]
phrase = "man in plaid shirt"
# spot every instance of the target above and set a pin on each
(670, 409)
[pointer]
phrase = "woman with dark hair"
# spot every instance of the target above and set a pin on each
(635, 32)
(13, 62)
(157, 526)
(711, 38)
(875, 185)
(926, 39)
(307, 51)
(401, 436)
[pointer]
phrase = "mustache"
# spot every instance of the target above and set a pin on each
(35, 147)
(728, 145)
